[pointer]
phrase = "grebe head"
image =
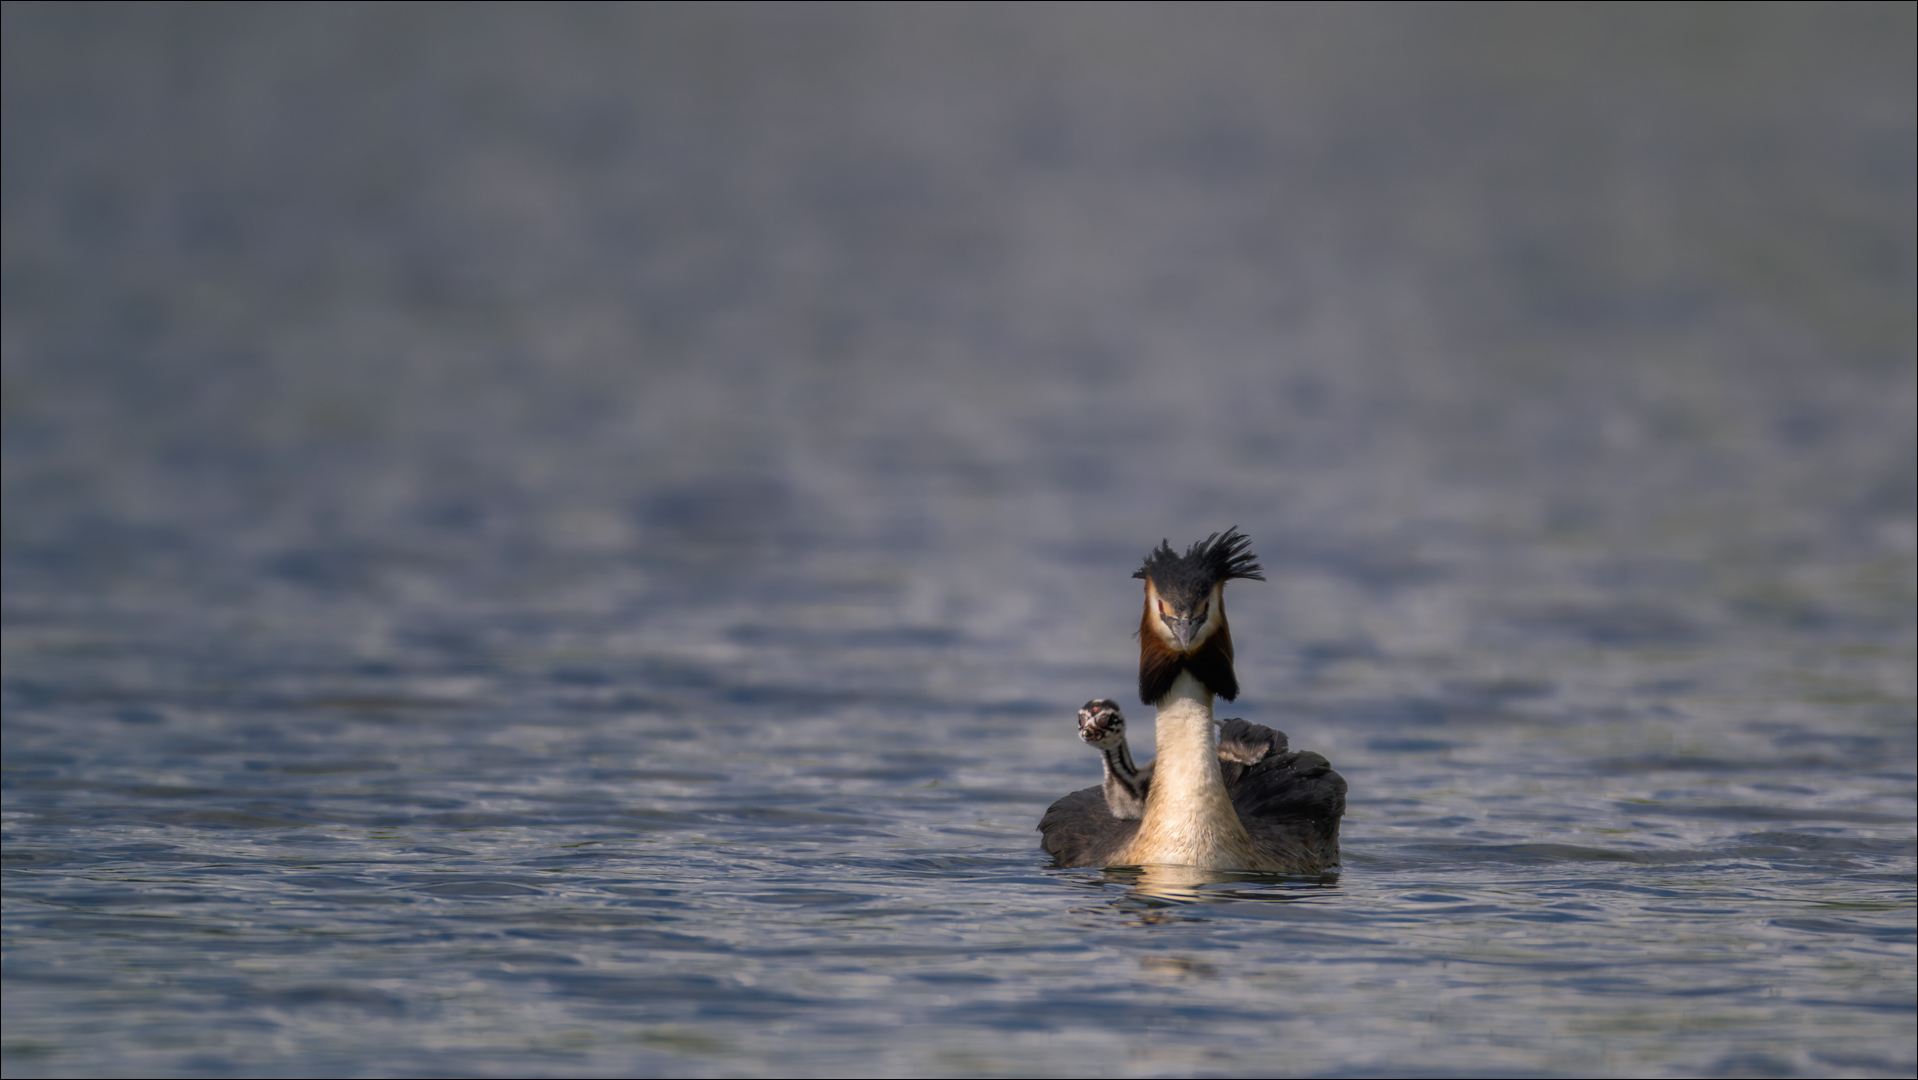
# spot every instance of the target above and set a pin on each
(1184, 626)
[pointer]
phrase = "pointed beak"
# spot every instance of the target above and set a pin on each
(1182, 629)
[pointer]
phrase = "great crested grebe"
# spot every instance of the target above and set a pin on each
(1216, 797)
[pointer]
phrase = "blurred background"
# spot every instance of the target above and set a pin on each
(308, 308)
(406, 406)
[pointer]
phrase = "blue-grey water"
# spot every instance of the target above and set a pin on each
(567, 541)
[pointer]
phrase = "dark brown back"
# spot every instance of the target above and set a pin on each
(1290, 803)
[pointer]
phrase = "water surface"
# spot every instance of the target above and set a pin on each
(569, 542)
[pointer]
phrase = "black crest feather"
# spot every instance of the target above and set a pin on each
(1186, 579)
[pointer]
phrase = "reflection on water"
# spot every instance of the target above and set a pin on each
(1157, 885)
(568, 543)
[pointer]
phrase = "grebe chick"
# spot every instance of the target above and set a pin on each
(1217, 797)
(1102, 726)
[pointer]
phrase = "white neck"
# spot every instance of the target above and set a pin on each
(1188, 819)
